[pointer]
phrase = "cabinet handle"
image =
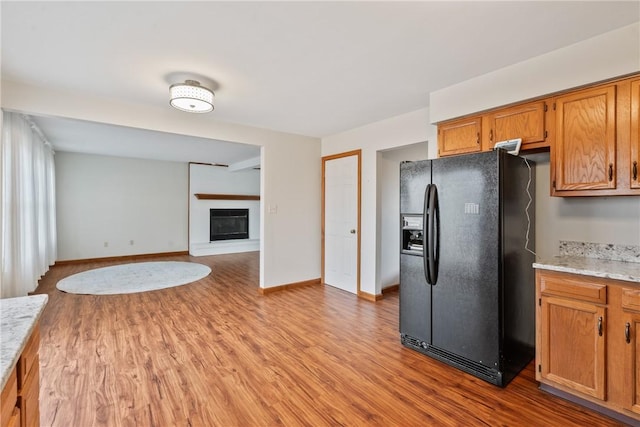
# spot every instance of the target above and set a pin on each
(600, 325)
(491, 135)
(627, 332)
(635, 171)
(610, 171)
(478, 138)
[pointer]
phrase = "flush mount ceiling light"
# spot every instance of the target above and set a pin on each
(191, 97)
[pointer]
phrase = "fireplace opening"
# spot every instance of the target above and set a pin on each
(229, 224)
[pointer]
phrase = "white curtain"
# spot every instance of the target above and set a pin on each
(27, 210)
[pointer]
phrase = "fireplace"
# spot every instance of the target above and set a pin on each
(228, 224)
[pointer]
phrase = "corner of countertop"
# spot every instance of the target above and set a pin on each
(18, 318)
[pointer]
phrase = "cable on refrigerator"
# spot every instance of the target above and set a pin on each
(526, 210)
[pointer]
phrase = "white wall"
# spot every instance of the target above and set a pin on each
(292, 211)
(389, 208)
(584, 219)
(116, 200)
(290, 169)
(219, 180)
(602, 57)
(406, 129)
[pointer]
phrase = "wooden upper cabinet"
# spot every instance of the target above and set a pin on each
(593, 135)
(634, 160)
(522, 121)
(480, 133)
(460, 136)
(585, 140)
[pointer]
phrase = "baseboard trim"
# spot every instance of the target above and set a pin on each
(272, 289)
(121, 258)
(369, 297)
(392, 288)
(377, 297)
(588, 404)
(224, 247)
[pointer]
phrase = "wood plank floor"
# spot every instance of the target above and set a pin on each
(216, 353)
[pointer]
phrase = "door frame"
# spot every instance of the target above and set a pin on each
(358, 154)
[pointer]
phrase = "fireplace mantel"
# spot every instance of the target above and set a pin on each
(205, 196)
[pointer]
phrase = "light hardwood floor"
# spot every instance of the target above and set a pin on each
(216, 353)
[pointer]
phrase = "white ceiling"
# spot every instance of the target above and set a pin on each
(312, 68)
(108, 140)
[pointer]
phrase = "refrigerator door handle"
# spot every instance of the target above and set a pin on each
(434, 234)
(425, 233)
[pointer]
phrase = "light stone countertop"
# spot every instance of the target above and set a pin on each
(18, 317)
(618, 270)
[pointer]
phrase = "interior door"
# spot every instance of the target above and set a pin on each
(341, 221)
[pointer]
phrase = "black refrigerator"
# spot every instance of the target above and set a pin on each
(467, 291)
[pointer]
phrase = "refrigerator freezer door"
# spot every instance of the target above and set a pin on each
(415, 293)
(415, 300)
(466, 299)
(414, 178)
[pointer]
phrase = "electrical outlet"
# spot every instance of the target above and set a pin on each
(106, 244)
(131, 242)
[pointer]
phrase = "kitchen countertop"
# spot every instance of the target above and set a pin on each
(18, 317)
(596, 267)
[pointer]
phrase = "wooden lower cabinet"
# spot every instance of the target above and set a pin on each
(631, 308)
(573, 353)
(588, 339)
(10, 413)
(29, 397)
(21, 393)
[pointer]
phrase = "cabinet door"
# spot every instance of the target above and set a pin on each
(635, 135)
(459, 136)
(573, 345)
(8, 400)
(632, 362)
(585, 145)
(522, 121)
(29, 397)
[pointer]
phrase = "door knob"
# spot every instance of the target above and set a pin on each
(352, 231)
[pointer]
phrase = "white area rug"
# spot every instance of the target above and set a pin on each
(134, 277)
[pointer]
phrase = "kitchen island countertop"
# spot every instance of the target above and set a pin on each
(596, 267)
(18, 318)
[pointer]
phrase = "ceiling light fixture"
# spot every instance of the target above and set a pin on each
(191, 97)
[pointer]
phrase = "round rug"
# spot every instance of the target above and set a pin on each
(132, 278)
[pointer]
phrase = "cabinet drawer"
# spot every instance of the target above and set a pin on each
(631, 299)
(564, 286)
(8, 399)
(29, 357)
